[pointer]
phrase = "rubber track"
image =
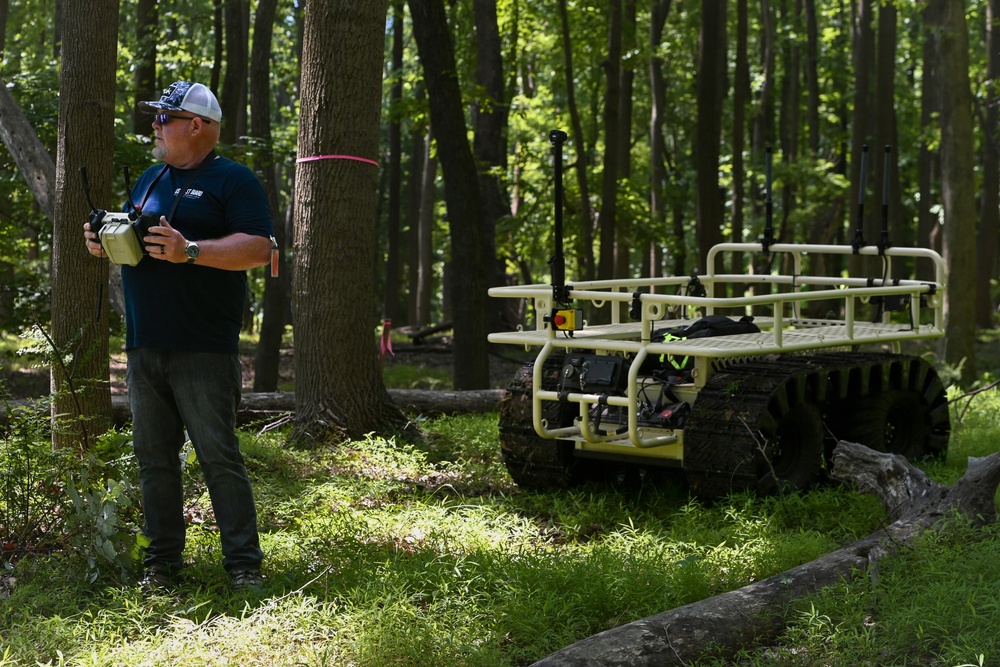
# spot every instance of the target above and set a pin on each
(722, 439)
(534, 462)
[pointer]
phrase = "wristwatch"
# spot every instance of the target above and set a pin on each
(191, 250)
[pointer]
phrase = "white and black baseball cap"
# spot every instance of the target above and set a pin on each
(194, 98)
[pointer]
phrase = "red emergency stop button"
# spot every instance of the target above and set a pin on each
(567, 319)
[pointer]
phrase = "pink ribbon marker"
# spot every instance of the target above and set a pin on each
(337, 157)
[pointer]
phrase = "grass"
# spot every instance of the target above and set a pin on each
(384, 553)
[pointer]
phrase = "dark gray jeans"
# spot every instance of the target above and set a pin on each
(171, 389)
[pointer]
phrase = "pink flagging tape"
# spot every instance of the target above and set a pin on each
(314, 158)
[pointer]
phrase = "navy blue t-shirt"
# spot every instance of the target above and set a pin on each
(187, 306)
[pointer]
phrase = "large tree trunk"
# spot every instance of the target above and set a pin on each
(719, 626)
(338, 384)
(272, 327)
(80, 373)
(469, 267)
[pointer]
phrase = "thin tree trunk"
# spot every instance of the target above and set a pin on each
(607, 219)
(462, 195)
(144, 77)
(391, 307)
(708, 133)
(657, 144)
(234, 86)
(585, 248)
(958, 194)
(272, 327)
(989, 218)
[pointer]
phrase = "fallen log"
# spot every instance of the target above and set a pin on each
(721, 625)
(257, 407)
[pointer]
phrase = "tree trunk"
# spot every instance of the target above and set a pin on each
(625, 223)
(30, 156)
(708, 132)
(719, 626)
(272, 327)
(988, 243)
(338, 384)
(887, 135)
(462, 194)
(233, 99)
(147, 30)
(81, 409)
(607, 220)
(741, 98)
(958, 187)
(863, 50)
(585, 249)
(391, 292)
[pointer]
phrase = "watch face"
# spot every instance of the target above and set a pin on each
(191, 250)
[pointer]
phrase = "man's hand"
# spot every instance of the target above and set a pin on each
(94, 246)
(165, 243)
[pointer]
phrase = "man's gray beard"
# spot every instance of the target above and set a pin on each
(159, 152)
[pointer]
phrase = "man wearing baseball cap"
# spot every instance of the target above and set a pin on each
(184, 304)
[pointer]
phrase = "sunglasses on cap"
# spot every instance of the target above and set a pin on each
(164, 118)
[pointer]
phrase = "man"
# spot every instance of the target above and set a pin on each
(184, 305)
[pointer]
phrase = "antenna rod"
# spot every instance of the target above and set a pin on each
(883, 242)
(768, 201)
(859, 236)
(558, 261)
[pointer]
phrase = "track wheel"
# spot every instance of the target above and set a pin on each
(790, 454)
(534, 462)
(896, 422)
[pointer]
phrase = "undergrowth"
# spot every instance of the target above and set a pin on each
(384, 553)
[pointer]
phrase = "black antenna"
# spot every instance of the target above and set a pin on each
(558, 262)
(86, 189)
(859, 236)
(768, 237)
(133, 209)
(884, 243)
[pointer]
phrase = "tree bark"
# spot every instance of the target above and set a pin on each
(339, 389)
(719, 626)
(81, 409)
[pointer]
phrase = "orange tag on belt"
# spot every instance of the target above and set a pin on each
(274, 263)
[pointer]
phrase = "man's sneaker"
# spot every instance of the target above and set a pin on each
(246, 578)
(156, 578)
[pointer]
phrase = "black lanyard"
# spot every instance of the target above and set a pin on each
(180, 193)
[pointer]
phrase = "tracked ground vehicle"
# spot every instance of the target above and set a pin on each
(743, 391)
